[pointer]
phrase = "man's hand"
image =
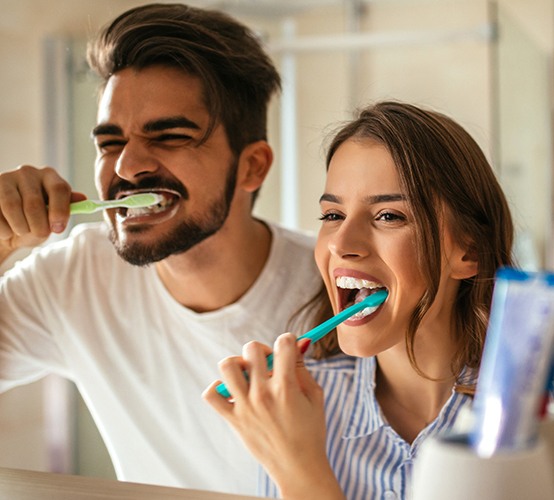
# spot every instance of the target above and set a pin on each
(34, 202)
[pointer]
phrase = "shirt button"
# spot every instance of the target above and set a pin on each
(390, 495)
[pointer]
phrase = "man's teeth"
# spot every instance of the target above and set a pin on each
(152, 209)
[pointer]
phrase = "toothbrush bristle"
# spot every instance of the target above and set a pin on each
(144, 199)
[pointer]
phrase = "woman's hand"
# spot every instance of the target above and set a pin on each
(279, 416)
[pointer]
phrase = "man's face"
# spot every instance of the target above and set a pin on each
(149, 125)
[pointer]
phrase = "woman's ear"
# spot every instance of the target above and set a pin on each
(254, 164)
(465, 263)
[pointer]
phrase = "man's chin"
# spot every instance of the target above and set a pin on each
(139, 255)
(146, 250)
(139, 251)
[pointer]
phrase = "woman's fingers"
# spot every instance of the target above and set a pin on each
(239, 373)
(255, 354)
(285, 357)
(216, 400)
(276, 413)
(289, 365)
(233, 370)
(248, 377)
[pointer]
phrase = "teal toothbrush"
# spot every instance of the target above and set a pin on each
(139, 200)
(374, 300)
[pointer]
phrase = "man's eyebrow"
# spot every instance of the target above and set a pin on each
(151, 126)
(106, 129)
(379, 198)
(168, 123)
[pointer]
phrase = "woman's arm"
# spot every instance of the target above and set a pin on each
(280, 417)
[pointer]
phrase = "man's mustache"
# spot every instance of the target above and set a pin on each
(150, 183)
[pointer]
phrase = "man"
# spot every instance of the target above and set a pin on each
(140, 330)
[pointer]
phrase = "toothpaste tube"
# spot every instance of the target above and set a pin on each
(516, 360)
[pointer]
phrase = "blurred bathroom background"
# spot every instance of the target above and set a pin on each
(488, 64)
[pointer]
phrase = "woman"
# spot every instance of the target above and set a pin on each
(410, 205)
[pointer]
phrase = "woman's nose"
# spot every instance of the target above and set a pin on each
(351, 241)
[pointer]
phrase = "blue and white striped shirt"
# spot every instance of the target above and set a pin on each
(370, 460)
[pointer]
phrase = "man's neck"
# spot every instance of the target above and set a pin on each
(219, 270)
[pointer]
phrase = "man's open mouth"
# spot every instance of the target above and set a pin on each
(168, 199)
(353, 290)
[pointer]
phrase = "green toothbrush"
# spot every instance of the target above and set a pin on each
(134, 201)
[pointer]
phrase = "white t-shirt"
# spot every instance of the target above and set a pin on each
(139, 358)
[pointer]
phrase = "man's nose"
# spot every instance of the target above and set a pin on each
(135, 161)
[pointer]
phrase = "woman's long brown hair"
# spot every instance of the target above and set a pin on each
(440, 166)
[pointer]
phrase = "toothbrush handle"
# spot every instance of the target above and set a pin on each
(83, 207)
(323, 329)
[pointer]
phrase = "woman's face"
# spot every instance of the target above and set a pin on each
(367, 240)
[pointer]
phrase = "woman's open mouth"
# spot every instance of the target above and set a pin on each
(353, 290)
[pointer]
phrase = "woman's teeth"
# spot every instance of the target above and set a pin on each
(364, 289)
(364, 312)
(350, 282)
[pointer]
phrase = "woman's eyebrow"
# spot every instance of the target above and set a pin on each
(373, 199)
(330, 197)
(384, 198)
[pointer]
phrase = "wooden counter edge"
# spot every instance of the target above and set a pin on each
(18, 484)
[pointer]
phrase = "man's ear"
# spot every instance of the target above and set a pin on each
(254, 164)
(465, 263)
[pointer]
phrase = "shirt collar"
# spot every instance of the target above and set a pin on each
(365, 414)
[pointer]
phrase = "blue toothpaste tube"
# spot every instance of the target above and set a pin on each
(516, 361)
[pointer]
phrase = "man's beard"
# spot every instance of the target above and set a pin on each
(188, 234)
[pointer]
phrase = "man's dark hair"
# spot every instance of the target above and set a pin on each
(238, 77)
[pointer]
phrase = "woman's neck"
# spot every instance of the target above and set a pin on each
(411, 400)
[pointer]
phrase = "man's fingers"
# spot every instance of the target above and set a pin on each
(11, 206)
(33, 201)
(58, 194)
(32, 208)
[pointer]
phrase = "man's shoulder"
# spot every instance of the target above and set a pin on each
(297, 237)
